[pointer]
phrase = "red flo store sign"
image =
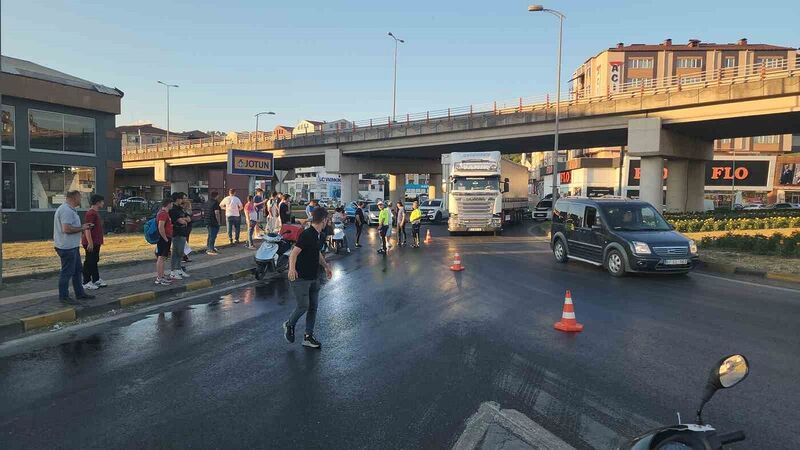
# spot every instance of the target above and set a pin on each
(565, 177)
(745, 173)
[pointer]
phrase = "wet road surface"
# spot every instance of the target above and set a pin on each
(410, 351)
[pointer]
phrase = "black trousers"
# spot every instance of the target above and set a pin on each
(358, 232)
(415, 232)
(90, 271)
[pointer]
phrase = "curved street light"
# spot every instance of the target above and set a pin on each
(561, 17)
(394, 94)
(167, 86)
(257, 116)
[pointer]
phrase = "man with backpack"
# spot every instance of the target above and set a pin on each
(164, 227)
(180, 225)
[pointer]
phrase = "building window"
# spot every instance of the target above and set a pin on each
(690, 63)
(691, 79)
(8, 126)
(766, 139)
(56, 132)
(9, 185)
(640, 63)
(646, 82)
(49, 184)
(724, 141)
(770, 62)
(728, 62)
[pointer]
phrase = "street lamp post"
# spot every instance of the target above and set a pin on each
(257, 116)
(168, 86)
(561, 17)
(394, 91)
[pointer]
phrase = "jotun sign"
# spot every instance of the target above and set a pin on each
(257, 164)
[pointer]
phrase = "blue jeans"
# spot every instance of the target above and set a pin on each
(306, 294)
(211, 243)
(70, 268)
(234, 222)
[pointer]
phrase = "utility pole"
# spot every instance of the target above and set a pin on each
(394, 91)
(257, 115)
(168, 86)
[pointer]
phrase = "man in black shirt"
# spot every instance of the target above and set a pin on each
(214, 215)
(180, 233)
(285, 210)
(304, 262)
(359, 220)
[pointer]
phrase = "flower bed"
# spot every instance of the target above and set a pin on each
(728, 214)
(754, 223)
(776, 245)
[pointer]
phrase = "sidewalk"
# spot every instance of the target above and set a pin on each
(29, 303)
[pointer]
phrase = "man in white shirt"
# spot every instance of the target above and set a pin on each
(67, 231)
(233, 210)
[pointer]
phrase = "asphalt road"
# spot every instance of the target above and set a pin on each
(410, 351)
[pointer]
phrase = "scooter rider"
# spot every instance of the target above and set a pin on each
(340, 217)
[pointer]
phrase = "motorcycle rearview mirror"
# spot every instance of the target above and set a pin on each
(728, 372)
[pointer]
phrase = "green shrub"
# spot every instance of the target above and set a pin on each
(776, 245)
(730, 224)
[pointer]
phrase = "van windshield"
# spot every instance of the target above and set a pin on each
(634, 217)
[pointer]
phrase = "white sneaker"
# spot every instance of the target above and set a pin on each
(175, 275)
(100, 283)
(183, 273)
(90, 286)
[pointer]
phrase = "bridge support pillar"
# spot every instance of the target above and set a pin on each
(435, 186)
(397, 187)
(349, 188)
(686, 157)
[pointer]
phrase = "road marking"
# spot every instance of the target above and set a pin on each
(6, 347)
(132, 278)
(748, 283)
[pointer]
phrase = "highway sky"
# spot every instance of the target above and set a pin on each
(332, 60)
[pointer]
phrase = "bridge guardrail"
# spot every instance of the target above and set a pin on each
(772, 69)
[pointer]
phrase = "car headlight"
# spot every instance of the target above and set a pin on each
(640, 248)
(692, 247)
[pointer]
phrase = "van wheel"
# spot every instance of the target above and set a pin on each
(438, 218)
(560, 251)
(615, 263)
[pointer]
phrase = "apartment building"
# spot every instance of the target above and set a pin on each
(769, 162)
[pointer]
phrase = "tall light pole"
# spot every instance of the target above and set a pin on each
(168, 86)
(257, 116)
(394, 94)
(561, 17)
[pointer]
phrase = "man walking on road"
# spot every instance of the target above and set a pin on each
(304, 262)
(233, 212)
(214, 213)
(91, 240)
(359, 220)
(67, 231)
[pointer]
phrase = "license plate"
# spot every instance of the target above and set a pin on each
(676, 262)
(473, 229)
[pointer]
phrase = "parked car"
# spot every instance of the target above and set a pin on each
(131, 200)
(753, 206)
(433, 210)
(372, 211)
(543, 210)
(783, 206)
(619, 234)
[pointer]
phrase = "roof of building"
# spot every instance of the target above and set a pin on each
(284, 127)
(145, 128)
(313, 122)
(195, 134)
(695, 46)
(15, 66)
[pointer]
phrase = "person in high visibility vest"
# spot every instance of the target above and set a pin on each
(416, 222)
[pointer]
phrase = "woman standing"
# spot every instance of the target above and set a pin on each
(402, 237)
(251, 219)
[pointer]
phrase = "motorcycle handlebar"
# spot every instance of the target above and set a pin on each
(730, 438)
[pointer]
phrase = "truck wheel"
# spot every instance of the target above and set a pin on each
(560, 251)
(615, 263)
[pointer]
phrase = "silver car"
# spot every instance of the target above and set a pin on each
(543, 210)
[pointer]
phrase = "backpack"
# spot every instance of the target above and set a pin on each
(151, 234)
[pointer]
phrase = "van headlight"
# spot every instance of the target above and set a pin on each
(640, 248)
(692, 247)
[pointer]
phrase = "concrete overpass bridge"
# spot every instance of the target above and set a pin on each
(667, 120)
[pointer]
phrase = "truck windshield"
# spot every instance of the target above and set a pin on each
(476, 184)
(641, 217)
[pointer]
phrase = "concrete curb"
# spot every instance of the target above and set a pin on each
(731, 269)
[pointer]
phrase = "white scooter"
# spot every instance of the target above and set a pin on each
(272, 255)
(338, 237)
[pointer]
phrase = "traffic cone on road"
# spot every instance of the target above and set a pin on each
(568, 322)
(428, 238)
(457, 267)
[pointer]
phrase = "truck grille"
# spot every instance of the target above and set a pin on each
(671, 251)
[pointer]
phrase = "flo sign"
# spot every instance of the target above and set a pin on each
(254, 164)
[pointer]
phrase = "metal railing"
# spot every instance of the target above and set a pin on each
(689, 81)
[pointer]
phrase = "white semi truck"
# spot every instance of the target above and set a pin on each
(484, 191)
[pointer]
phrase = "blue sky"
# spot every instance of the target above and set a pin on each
(331, 60)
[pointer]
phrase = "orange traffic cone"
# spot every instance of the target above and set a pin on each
(428, 238)
(568, 322)
(457, 267)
